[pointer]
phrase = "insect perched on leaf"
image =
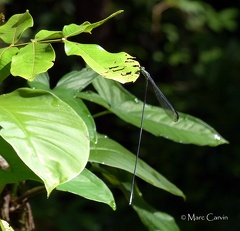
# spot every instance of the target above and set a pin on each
(167, 107)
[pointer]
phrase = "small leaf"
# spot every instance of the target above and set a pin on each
(110, 153)
(89, 186)
(33, 59)
(47, 35)
(86, 27)
(117, 66)
(12, 30)
(35, 123)
(6, 55)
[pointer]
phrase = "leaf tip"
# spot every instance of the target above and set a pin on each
(113, 205)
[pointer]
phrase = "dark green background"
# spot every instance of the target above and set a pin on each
(198, 69)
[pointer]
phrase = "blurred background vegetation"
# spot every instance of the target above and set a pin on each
(192, 49)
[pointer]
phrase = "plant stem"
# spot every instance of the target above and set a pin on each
(102, 114)
(30, 193)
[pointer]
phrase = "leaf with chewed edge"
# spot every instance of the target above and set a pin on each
(120, 66)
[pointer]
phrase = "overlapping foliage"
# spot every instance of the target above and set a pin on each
(51, 134)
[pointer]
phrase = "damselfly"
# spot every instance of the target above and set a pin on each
(167, 107)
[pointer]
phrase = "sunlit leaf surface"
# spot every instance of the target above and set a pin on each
(109, 152)
(47, 134)
(88, 185)
(117, 66)
(12, 30)
(188, 129)
(33, 59)
(86, 27)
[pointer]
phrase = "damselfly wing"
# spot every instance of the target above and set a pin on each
(167, 107)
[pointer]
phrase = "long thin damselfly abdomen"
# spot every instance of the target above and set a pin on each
(167, 107)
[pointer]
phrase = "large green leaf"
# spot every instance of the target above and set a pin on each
(66, 89)
(12, 30)
(47, 134)
(6, 55)
(109, 152)
(188, 129)
(73, 29)
(117, 66)
(33, 59)
(89, 186)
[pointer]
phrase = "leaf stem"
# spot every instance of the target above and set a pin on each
(38, 41)
(102, 113)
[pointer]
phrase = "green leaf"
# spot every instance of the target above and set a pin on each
(153, 219)
(6, 55)
(41, 82)
(76, 80)
(110, 153)
(81, 109)
(35, 123)
(33, 59)
(188, 129)
(48, 35)
(86, 27)
(5, 226)
(117, 66)
(12, 30)
(16, 170)
(66, 89)
(89, 186)
(94, 97)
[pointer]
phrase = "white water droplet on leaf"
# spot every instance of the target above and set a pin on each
(136, 100)
(217, 137)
